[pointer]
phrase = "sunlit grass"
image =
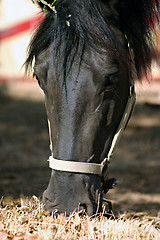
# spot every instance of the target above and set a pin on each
(26, 219)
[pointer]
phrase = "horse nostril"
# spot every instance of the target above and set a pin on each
(83, 208)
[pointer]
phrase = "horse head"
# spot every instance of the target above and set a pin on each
(84, 64)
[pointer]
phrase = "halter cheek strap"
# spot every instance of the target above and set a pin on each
(93, 168)
(125, 118)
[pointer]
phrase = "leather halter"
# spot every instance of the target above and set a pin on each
(94, 168)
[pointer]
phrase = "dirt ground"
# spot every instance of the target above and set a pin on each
(24, 148)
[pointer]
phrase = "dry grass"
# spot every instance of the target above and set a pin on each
(26, 219)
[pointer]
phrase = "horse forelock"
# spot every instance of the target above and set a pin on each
(80, 22)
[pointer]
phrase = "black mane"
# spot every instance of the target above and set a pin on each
(90, 23)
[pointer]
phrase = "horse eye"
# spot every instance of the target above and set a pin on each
(114, 77)
(111, 81)
(35, 75)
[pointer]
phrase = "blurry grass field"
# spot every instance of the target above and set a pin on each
(26, 219)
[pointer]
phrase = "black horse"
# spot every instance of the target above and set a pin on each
(85, 54)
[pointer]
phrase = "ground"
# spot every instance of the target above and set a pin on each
(24, 148)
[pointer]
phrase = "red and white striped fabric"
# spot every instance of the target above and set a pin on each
(17, 20)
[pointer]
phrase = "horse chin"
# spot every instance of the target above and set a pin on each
(57, 198)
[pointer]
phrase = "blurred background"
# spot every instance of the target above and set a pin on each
(24, 141)
(17, 19)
